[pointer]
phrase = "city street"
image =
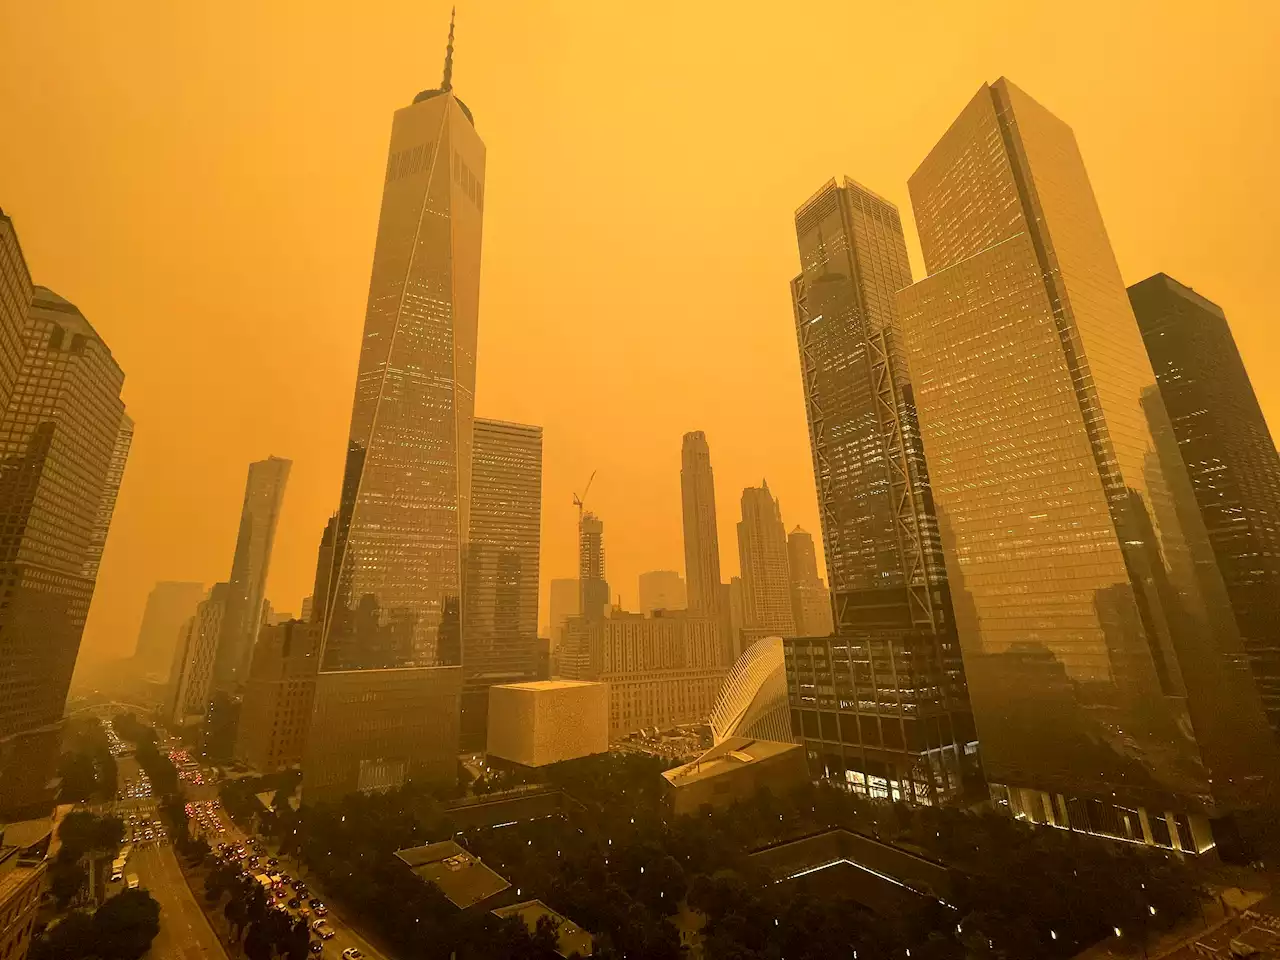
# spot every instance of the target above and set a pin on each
(184, 934)
(344, 936)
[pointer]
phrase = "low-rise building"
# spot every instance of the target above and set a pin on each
(454, 871)
(571, 939)
(547, 721)
(21, 883)
(734, 770)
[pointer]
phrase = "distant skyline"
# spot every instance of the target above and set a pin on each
(237, 332)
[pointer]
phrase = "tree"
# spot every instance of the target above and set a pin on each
(236, 912)
(66, 877)
(299, 941)
(257, 944)
(66, 940)
(79, 778)
(82, 832)
(219, 880)
(126, 924)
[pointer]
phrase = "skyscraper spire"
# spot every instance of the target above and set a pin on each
(447, 84)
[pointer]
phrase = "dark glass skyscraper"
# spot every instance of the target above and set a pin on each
(881, 707)
(387, 697)
(500, 590)
(766, 575)
(1107, 677)
(15, 301)
(59, 436)
(1230, 458)
(246, 589)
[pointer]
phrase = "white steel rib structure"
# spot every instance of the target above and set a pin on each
(753, 699)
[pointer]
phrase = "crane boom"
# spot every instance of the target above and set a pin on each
(581, 501)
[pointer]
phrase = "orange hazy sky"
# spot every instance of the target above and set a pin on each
(203, 180)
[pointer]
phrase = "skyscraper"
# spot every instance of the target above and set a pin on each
(278, 696)
(1230, 458)
(565, 603)
(500, 590)
(701, 540)
(762, 554)
(392, 604)
(891, 676)
(593, 587)
(15, 301)
(1107, 677)
(191, 685)
(732, 618)
(110, 493)
(263, 495)
(58, 436)
(662, 590)
(169, 605)
(810, 601)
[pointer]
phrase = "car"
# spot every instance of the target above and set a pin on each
(295, 903)
(351, 953)
(316, 946)
(304, 913)
(273, 862)
(322, 927)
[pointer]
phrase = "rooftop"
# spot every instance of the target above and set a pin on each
(731, 754)
(457, 873)
(16, 877)
(570, 939)
(544, 685)
(27, 833)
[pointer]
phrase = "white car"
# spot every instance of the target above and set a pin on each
(322, 928)
(351, 953)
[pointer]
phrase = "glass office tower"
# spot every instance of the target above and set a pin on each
(246, 588)
(881, 706)
(60, 471)
(392, 600)
(1229, 455)
(1107, 677)
(500, 595)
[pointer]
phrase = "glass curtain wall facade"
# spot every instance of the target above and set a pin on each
(58, 441)
(593, 587)
(1230, 458)
(246, 589)
(392, 602)
(110, 493)
(766, 575)
(1107, 678)
(882, 706)
(500, 595)
(15, 300)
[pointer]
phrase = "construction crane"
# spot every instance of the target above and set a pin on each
(580, 501)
